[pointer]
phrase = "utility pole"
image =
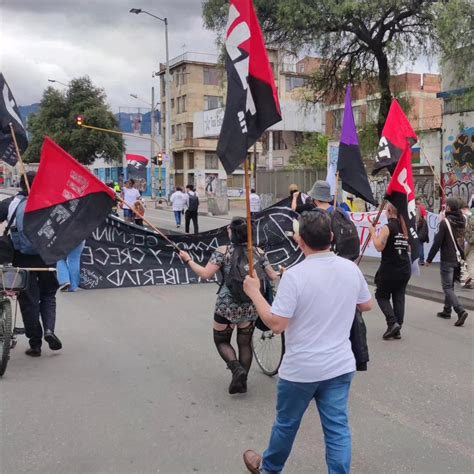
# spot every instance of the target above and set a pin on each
(168, 112)
(152, 144)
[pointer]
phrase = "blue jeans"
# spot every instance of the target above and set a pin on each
(69, 270)
(177, 217)
(331, 397)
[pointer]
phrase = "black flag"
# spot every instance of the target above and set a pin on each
(9, 114)
(252, 99)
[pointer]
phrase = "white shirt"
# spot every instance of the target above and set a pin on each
(178, 199)
(319, 295)
(130, 196)
(254, 202)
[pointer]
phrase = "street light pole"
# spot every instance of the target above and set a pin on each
(167, 81)
(152, 145)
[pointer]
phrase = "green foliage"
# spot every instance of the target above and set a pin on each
(360, 40)
(311, 152)
(368, 141)
(56, 118)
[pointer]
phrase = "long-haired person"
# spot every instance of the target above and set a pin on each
(230, 312)
(394, 272)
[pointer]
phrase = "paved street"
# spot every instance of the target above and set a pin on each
(139, 388)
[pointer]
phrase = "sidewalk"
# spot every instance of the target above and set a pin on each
(427, 285)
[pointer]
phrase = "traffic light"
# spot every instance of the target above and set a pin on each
(79, 120)
(160, 158)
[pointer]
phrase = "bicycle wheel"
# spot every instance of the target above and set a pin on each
(5, 333)
(268, 349)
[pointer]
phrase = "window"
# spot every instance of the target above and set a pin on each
(278, 142)
(293, 82)
(180, 76)
(181, 104)
(172, 103)
(373, 107)
(179, 132)
(337, 116)
(190, 161)
(212, 76)
(235, 181)
(189, 131)
(357, 116)
(212, 102)
(211, 161)
(172, 129)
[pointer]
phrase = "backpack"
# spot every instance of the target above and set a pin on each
(346, 241)
(239, 269)
(20, 241)
(193, 202)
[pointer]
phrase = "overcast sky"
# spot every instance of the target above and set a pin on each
(63, 39)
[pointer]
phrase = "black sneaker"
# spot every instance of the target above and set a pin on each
(33, 352)
(53, 341)
(461, 318)
(397, 335)
(391, 331)
(444, 315)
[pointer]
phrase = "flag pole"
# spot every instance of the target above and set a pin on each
(149, 224)
(22, 166)
(367, 240)
(249, 217)
(335, 190)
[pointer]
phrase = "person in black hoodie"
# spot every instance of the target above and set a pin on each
(449, 260)
(394, 272)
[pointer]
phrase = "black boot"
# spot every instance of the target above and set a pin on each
(445, 314)
(239, 378)
(391, 331)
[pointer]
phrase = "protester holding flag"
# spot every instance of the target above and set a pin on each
(231, 309)
(394, 272)
(130, 196)
(450, 240)
(38, 300)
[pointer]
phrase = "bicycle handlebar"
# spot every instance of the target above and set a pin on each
(43, 269)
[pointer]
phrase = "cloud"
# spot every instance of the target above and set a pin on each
(63, 39)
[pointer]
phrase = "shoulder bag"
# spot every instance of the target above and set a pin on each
(461, 274)
(6, 245)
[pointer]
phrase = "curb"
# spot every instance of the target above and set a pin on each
(428, 294)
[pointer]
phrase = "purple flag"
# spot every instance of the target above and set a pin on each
(350, 165)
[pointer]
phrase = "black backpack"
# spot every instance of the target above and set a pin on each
(346, 241)
(193, 202)
(239, 269)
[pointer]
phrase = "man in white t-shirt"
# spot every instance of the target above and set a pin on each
(130, 195)
(255, 202)
(178, 201)
(315, 306)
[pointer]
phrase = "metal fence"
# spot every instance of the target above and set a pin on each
(276, 182)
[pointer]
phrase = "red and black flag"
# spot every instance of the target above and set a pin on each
(252, 98)
(9, 114)
(136, 166)
(66, 204)
(349, 164)
(397, 135)
(401, 193)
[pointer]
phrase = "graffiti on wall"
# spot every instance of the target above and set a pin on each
(458, 165)
(424, 188)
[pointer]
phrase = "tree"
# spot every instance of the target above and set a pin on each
(311, 152)
(358, 40)
(56, 118)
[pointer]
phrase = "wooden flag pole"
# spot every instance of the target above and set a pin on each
(335, 190)
(249, 218)
(20, 160)
(149, 224)
(367, 240)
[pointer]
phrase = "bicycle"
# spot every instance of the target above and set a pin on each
(13, 280)
(268, 348)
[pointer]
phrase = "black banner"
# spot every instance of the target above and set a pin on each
(124, 255)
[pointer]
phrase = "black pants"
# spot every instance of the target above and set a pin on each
(395, 290)
(188, 216)
(38, 300)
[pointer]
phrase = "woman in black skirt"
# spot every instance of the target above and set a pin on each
(394, 272)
